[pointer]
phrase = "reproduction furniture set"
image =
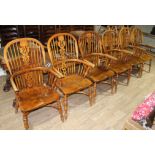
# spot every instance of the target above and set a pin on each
(77, 66)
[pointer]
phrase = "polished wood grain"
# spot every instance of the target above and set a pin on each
(90, 48)
(111, 46)
(109, 112)
(63, 53)
(137, 42)
(134, 59)
(25, 60)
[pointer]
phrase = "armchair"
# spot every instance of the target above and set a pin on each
(63, 52)
(25, 59)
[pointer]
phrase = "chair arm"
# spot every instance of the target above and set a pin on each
(13, 84)
(85, 62)
(56, 72)
(147, 46)
(105, 55)
(44, 69)
(124, 51)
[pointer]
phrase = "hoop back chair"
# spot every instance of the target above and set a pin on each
(90, 48)
(125, 44)
(63, 52)
(25, 59)
(110, 45)
(137, 42)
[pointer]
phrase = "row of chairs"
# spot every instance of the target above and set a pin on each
(77, 66)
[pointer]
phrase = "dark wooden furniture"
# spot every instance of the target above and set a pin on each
(63, 52)
(90, 48)
(25, 59)
(40, 32)
(110, 45)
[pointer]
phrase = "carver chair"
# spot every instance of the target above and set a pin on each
(25, 59)
(135, 58)
(63, 52)
(136, 41)
(90, 48)
(110, 46)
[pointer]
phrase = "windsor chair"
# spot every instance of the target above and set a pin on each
(110, 46)
(25, 60)
(136, 41)
(63, 52)
(90, 48)
(134, 59)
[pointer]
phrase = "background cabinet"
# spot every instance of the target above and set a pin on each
(40, 32)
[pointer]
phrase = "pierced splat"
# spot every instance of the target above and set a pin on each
(24, 50)
(61, 44)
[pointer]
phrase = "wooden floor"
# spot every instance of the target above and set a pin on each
(109, 112)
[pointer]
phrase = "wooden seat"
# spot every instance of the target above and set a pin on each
(36, 97)
(90, 48)
(34, 85)
(73, 83)
(110, 45)
(134, 59)
(136, 42)
(98, 74)
(63, 52)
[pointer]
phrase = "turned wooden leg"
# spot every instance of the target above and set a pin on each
(60, 111)
(90, 94)
(150, 63)
(140, 70)
(94, 93)
(65, 103)
(129, 76)
(113, 85)
(25, 120)
(94, 90)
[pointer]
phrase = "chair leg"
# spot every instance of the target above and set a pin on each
(129, 76)
(94, 89)
(113, 85)
(25, 120)
(90, 94)
(150, 63)
(65, 103)
(140, 70)
(60, 111)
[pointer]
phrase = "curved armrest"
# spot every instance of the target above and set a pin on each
(147, 46)
(44, 69)
(85, 62)
(105, 55)
(56, 73)
(124, 51)
(13, 84)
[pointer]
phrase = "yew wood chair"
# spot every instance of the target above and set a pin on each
(90, 48)
(110, 46)
(33, 89)
(63, 52)
(136, 41)
(135, 58)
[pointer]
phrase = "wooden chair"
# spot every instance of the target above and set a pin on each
(90, 48)
(134, 59)
(25, 59)
(63, 52)
(136, 42)
(110, 46)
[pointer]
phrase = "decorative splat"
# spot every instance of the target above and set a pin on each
(24, 50)
(61, 44)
